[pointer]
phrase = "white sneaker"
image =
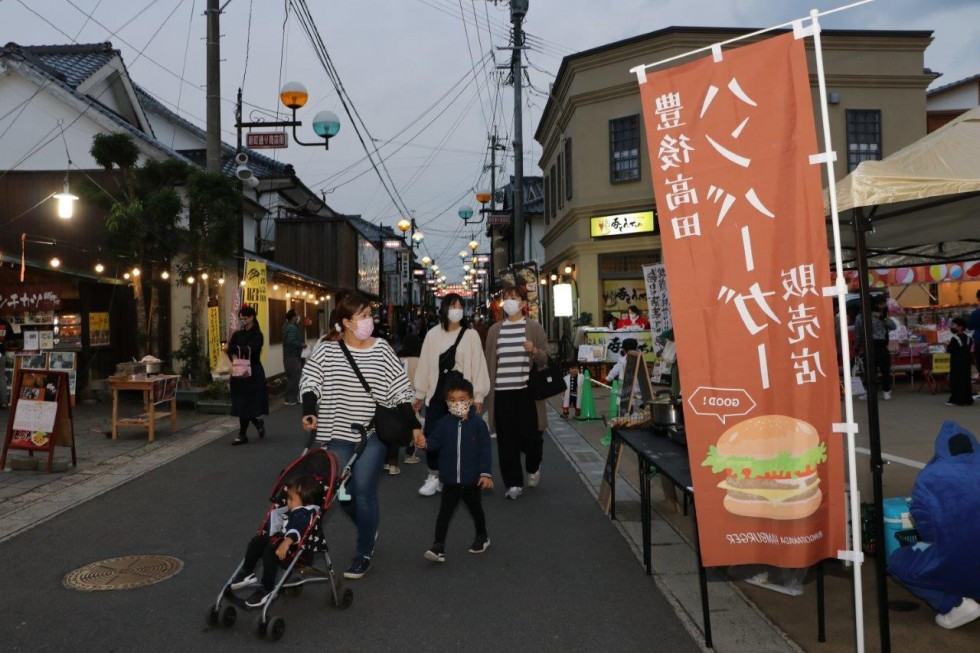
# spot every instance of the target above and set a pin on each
(961, 615)
(431, 486)
(244, 581)
(862, 397)
(393, 470)
(513, 493)
(534, 479)
(888, 395)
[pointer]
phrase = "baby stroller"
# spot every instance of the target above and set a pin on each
(300, 567)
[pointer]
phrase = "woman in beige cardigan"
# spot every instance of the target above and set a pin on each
(514, 346)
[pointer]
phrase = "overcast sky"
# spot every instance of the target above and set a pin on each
(421, 74)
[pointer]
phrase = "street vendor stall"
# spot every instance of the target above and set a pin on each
(157, 389)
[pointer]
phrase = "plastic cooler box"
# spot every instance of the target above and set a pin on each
(896, 511)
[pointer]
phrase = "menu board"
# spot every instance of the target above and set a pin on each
(41, 414)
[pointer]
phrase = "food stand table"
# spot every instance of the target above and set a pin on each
(656, 453)
(156, 389)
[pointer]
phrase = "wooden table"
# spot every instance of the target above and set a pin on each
(156, 389)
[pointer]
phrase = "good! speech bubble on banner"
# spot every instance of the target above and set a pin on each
(721, 402)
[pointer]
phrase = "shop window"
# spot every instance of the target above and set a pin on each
(624, 149)
(630, 264)
(863, 136)
(277, 318)
(568, 168)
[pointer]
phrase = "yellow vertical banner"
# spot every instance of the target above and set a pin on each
(256, 295)
(214, 335)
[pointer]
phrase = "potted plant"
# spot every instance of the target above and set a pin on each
(216, 398)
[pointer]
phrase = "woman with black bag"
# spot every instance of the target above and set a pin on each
(348, 379)
(249, 394)
(515, 346)
(449, 348)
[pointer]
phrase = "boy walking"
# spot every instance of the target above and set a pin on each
(462, 442)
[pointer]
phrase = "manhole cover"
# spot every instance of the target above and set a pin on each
(122, 573)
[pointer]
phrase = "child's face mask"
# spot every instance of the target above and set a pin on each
(460, 408)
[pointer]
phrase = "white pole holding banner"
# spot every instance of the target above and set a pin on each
(849, 426)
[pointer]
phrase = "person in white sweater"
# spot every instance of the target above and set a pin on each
(436, 361)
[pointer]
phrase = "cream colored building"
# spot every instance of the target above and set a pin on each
(594, 152)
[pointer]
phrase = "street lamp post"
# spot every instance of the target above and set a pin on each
(414, 240)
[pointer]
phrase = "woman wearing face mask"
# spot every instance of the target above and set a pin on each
(334, 398)
(436, 362)
(514, 345)
(249, 395)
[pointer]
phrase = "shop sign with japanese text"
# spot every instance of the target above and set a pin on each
(745, 249)
(28, 299)
(623, 224)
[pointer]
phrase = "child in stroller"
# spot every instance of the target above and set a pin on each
(287, 526)
(290, 537)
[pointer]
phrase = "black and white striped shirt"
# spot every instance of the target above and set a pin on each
(341, 399)
(513, 362)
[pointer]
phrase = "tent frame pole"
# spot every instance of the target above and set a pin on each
(862, 224)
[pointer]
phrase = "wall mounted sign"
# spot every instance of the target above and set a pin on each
(622, 224)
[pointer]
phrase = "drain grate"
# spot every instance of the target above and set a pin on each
(122, 573)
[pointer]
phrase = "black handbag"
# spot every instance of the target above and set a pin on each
(546, 382)
(447, 361)
(388, 423)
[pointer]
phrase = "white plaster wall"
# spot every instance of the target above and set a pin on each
(961, 98)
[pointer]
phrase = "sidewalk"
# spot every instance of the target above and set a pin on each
(28, 498)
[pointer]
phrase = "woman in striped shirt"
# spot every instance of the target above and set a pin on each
(334, 398)
(513, 346)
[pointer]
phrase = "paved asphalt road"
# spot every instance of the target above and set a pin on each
(557, 576)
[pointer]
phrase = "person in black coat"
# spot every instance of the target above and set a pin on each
(960, 386)
(249, 395)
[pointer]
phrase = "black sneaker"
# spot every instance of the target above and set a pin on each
(480, 544)
(436, 553)
(358, 567)
(261, 427)
(259, 598)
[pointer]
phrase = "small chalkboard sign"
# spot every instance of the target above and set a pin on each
(609, 473)
(636, 373)
(40, 415)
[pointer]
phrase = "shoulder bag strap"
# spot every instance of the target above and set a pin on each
(458, 338)
(350, 359)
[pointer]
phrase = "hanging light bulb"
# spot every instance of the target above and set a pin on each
(204, 276)
(99, 268)
(221, 281)
(66, 202)
(136, 272)
(242, 283)
(165, 275)
(190, 281)
(55, 262)
(275, 286)
(126, 276)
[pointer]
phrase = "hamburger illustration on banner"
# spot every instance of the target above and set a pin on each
(770, 466)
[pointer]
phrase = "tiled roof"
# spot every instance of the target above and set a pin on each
(533, 194)
(372, 232)
(262, 166)
(944, 87)
(72, 64)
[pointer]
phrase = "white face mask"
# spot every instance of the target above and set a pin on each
(455, 315)
(511, 306)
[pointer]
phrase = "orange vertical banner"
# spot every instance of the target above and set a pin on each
(745, 248)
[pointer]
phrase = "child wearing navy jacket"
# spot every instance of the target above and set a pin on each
(287, 525)
(462, 441)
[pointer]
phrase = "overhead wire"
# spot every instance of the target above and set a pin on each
(357, 122)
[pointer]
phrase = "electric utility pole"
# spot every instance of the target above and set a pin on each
(518, 9)
(213, 88)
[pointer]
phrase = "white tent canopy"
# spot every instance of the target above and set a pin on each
(923, 201)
